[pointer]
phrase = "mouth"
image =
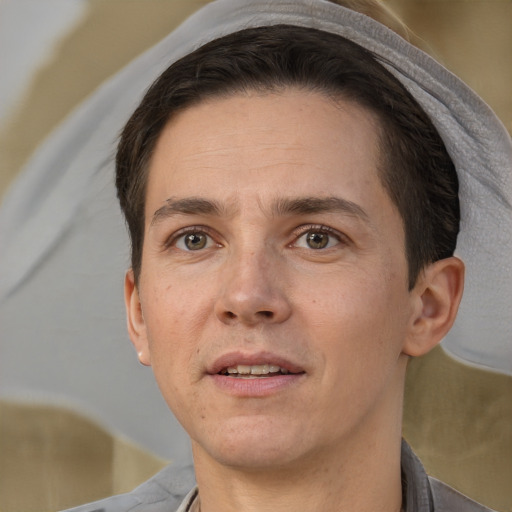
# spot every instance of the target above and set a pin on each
(254, 371)
(253, 366)
(256, 375)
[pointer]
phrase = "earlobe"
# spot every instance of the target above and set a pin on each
(135, 319)
(436, 298)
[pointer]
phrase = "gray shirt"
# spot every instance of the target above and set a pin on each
(173, 490)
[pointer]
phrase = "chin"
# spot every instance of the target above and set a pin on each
(253, 444)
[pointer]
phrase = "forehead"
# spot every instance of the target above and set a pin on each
(255, 139)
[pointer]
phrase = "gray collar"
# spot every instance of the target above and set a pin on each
(417, 494)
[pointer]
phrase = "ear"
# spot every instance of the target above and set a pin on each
(135, 319)
(436, 298)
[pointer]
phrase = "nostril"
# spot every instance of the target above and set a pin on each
(266, 314)
(230, 314)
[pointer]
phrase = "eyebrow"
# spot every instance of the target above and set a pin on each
(312, 205)
(187, 206)
(280, 207)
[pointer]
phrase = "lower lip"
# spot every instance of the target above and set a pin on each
(257, 387)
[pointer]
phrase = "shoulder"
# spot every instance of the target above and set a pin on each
(447, 499)
(164, 492)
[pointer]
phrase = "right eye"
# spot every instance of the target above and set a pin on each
(193, 241)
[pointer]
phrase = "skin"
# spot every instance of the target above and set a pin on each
(340, 316)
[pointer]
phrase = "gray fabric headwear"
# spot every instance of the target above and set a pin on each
(476, 140)
(74, 167)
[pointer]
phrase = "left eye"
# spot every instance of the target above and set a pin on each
(194, 241)
(316, 239)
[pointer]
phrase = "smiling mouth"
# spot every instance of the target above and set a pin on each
(255, 371)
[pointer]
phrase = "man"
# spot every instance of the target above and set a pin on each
(293, 214)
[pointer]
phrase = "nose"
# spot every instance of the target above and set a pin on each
(252, 292)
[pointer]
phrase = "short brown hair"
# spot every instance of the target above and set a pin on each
(416, 170)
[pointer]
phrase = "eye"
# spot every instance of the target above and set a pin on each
(193, 241)
(318, 238)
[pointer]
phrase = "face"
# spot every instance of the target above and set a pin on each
(273, 301)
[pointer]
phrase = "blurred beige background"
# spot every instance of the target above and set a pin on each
(458, 419)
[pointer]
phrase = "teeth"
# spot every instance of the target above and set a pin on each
(255, 369)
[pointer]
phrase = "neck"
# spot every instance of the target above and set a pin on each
(361, 473)
(324, 489)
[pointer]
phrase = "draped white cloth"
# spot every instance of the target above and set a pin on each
(63, 246)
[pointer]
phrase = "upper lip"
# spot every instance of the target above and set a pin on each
(231, 359)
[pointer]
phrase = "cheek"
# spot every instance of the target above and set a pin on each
(175, 318)
(176, 305)
(361, 319)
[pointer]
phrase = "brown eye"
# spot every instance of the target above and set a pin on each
(316, 240)
(195, 241)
